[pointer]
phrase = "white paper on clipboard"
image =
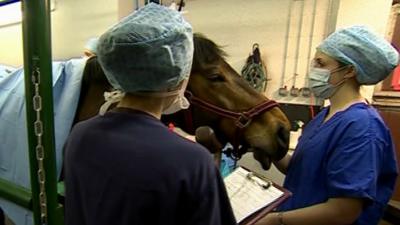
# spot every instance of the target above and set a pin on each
(249, 193)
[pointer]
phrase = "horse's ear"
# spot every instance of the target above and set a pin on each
(87, 71)
(206, 52)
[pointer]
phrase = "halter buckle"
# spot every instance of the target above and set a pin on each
(242, 121)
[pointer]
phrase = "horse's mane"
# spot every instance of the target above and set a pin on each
(93, 73)
(93, 76)
(206, 53)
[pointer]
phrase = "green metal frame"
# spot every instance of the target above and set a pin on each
(37, 55)
(17, 194)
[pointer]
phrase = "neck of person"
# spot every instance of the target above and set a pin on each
(149, 105)
(347, 95)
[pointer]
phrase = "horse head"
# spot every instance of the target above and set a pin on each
(237, 113)
(221, 99)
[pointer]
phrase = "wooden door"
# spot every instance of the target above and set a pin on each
(388, 106)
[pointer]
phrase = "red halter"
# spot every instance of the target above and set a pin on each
(242, 119)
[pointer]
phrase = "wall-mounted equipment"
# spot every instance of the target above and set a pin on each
(254, 71)
(305, 92)
(294, 91)
(283, 91)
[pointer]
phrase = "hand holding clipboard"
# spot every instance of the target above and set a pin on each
(252, 196)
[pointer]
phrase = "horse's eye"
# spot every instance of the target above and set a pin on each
(216, 77)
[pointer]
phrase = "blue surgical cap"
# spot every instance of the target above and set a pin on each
(150, 50)
(371, 55)
(91, 45)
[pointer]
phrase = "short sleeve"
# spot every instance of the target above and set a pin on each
(353, 167)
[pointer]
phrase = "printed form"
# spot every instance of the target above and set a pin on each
(249, 193)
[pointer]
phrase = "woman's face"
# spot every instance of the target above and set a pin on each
(324, 61)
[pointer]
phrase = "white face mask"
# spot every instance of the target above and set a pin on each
(318, 79)
(180, 102)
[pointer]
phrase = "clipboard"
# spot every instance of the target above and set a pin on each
(252, 196)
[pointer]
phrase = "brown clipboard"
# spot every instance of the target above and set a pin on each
(253, 218)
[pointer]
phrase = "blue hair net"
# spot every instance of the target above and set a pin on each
(91, 45)
(149, 50)
(371, 55)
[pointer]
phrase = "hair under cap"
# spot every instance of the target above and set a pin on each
(91, 45)
(372, 56)
(150, 50)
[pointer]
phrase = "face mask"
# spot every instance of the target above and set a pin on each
(180, 102)
(318, 79)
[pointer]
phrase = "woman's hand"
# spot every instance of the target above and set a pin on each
(335, 211)
(270, 219)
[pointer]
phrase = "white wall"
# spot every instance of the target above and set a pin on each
(11, 45)
(371, 13)
(73, 23)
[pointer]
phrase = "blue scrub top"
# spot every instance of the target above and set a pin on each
(350, 155)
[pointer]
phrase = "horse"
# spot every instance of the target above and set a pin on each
(219, 98)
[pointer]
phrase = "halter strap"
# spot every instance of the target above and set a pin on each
(242, 119)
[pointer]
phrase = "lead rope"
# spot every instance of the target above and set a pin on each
(38, 127)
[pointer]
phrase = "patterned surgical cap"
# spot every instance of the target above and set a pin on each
(371, 55)
(149, 50)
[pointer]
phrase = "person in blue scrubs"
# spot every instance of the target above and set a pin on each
(125, 166)
(343, 170)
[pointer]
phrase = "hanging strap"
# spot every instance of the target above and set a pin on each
(242, 119)
(181, 5)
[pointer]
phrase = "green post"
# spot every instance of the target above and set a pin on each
(37, 64)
